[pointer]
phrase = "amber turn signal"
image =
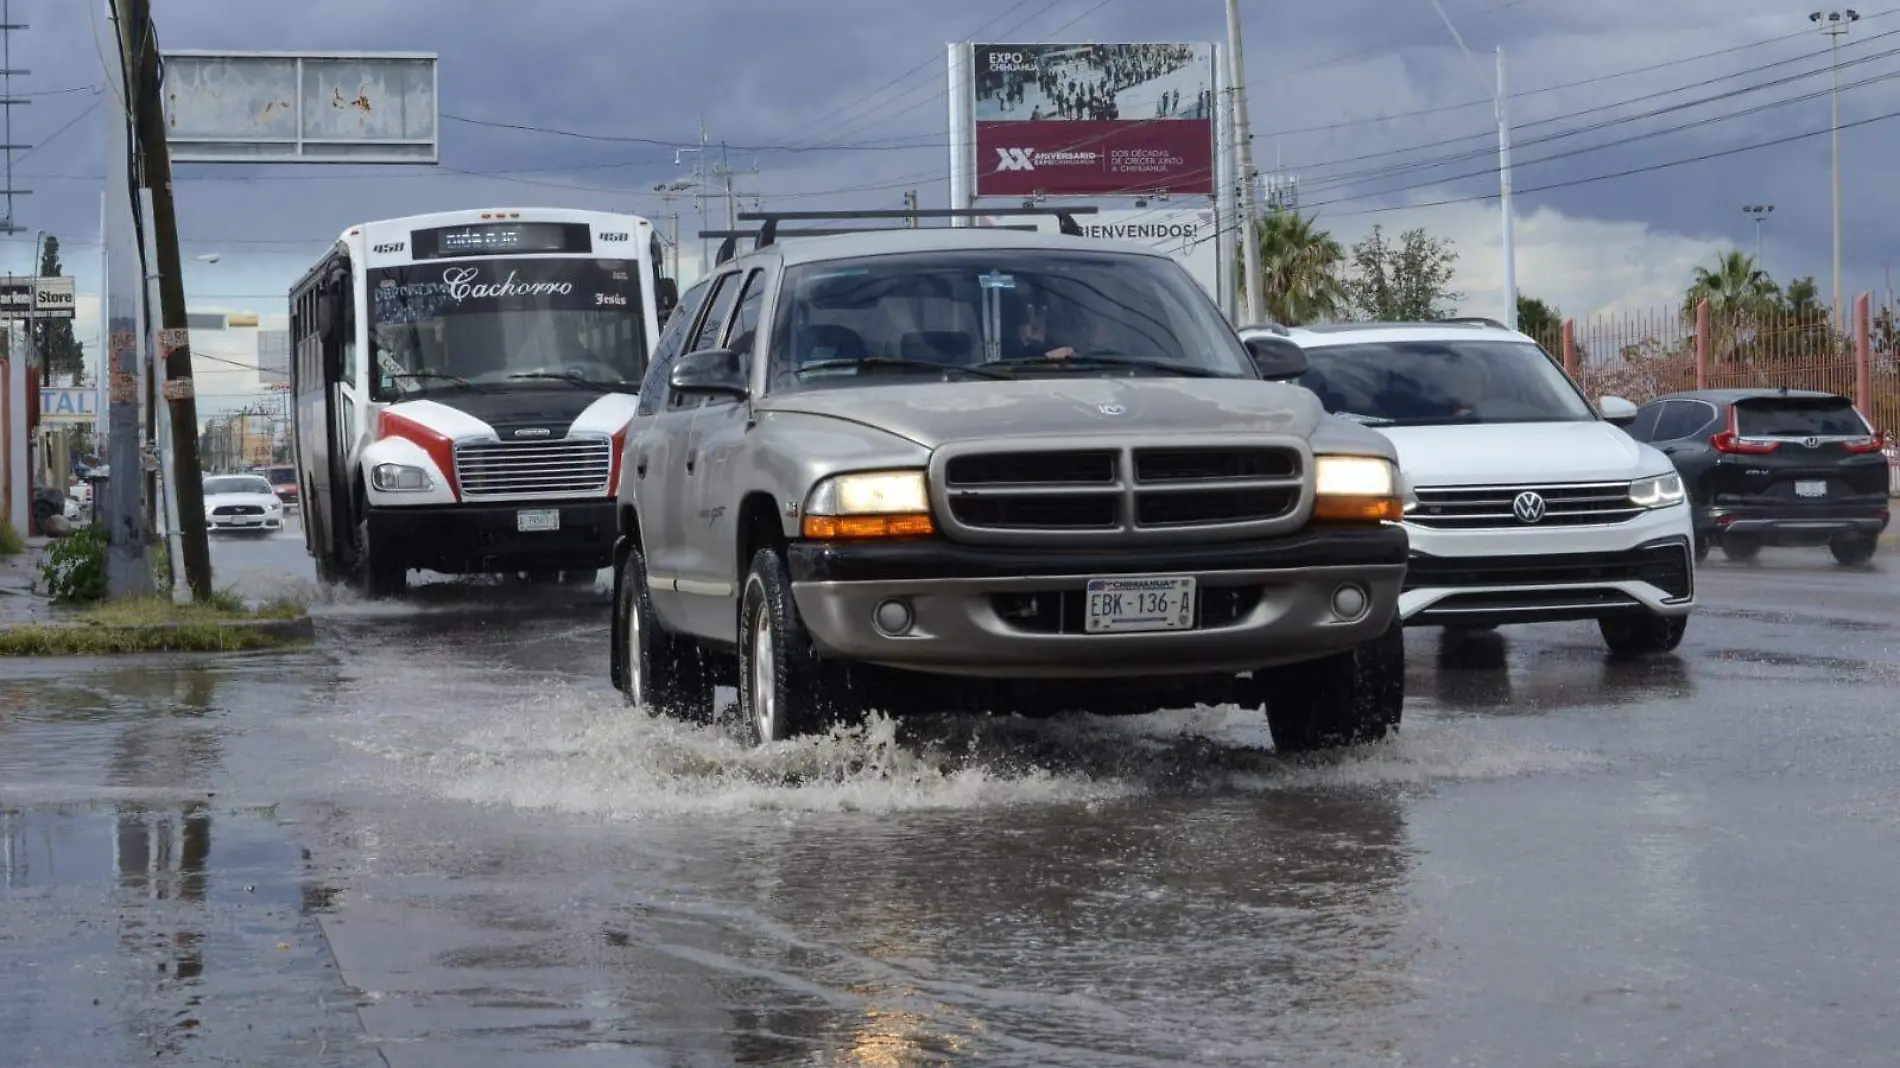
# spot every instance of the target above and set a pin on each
(1359, 509)
(828, 527)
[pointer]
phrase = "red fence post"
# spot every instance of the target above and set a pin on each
(1864, 353)
(1702, 344)
(1569, 340)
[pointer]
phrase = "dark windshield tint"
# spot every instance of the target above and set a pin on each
(236, 484)
(1794, 417)
(505, 322)
(1443, 382)
(1009, 312)
(282, 474)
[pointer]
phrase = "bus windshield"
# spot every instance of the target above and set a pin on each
(459, 324)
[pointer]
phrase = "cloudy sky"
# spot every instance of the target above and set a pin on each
(841, 103)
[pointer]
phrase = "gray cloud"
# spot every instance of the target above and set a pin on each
(815, 73)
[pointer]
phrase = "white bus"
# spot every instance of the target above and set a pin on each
(462, 382)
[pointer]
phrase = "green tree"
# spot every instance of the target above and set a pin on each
(1541, 321)
(1301, 270)
(61, 353)
(1738, 291)
(1406, 282)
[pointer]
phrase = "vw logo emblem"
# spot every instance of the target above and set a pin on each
(1528, 507)
(1111, 409)
(1812, 443)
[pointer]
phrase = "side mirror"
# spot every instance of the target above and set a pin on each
(716, 372)
(330, 321)
(1616, 410)
(666, 297)
(1278, 359)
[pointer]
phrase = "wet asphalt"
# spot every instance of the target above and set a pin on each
(437, 838)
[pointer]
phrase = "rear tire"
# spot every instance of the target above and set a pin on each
(785, 689)
(665, 672)
(1644, 635)
(1350, 698)
(1854, 551)
(1741, 548)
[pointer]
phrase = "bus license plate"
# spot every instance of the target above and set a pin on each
(538, 519)
(1810, 489)
(1139, 603)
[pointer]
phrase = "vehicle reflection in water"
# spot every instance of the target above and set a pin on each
(1165, 930)
(1496, 671)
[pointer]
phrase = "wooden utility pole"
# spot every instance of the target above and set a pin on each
(910, 203)
(174, 347)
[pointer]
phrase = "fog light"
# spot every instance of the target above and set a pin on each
(892, 617)
(1349, 602)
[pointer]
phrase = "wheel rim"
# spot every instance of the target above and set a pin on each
(764, 677)
(636, 677)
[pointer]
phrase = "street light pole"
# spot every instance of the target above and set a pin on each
(1759, 213)
(1507, 234)
(1835, 24)
(1243, 145)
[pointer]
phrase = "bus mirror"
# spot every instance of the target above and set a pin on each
(326, 314)
(666, 297)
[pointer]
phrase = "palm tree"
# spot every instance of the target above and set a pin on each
(1302, 268)
(1737, 290)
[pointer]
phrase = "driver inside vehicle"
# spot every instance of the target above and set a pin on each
(1074, 334)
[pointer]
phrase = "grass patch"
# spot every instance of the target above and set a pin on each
(154, 624)
(11, 544)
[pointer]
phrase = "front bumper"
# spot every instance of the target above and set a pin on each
(992, 612)
(461, 539)
(244, 522)
(1798, 525)
(1545, 575)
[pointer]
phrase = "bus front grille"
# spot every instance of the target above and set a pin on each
(533, 469)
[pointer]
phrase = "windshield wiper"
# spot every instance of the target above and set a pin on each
(443, 375)
(576, 378)
(899, 361)
(1096, 363)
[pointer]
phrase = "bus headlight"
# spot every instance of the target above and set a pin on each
(400, 478)
(1357, 488)
(869, 504)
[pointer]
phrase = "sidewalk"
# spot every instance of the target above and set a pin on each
(20, 600)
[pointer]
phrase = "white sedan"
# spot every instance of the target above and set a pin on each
(242, 502)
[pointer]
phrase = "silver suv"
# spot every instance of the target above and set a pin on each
(981, 469)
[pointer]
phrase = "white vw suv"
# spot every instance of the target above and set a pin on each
(1528, 505)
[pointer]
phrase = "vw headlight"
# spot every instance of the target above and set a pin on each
(399, 478)
(1362, 488)
(869, 504)
(1658, 492)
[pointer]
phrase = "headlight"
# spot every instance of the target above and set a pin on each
(1658, 492)
(399, 478)
(1361, 488)
(869, 504)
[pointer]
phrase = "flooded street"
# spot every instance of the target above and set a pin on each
(438, 838)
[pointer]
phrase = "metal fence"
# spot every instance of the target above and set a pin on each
(1711, 345)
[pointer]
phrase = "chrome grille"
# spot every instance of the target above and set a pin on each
(1491, 507)
(1033, 492)
(533, 469)
(238, 509)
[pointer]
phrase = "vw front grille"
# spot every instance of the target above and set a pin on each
(1497, 507)
(533, 469)
(1022, 492)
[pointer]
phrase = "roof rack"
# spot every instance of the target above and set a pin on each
(768, 231)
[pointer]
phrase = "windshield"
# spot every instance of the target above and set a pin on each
(282, 474)
(997, 313)
(1443, 382)
(506, 322)
(1795, 417)
(236, 484)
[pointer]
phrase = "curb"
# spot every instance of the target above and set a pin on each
(279, 631)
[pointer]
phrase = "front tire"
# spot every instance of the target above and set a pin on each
(784, 689)
(1644, 635)
(1350, 698)
(378, 573)
(664, 672)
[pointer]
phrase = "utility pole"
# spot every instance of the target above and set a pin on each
(1759, 213)
(1243, 143)
(1508, 225)
(173, 337)
(910, 205)
(1835, 24)
(128, 560)
(7, 103)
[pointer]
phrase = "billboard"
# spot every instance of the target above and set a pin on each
(37, 298)
(1187, 234)
(79, 405)
(301, 107)
(1093, 120)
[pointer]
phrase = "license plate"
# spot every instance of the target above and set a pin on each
(1123, 605)
(538, 519)
(1810, 489)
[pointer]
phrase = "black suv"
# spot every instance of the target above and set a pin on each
(1773, 467)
